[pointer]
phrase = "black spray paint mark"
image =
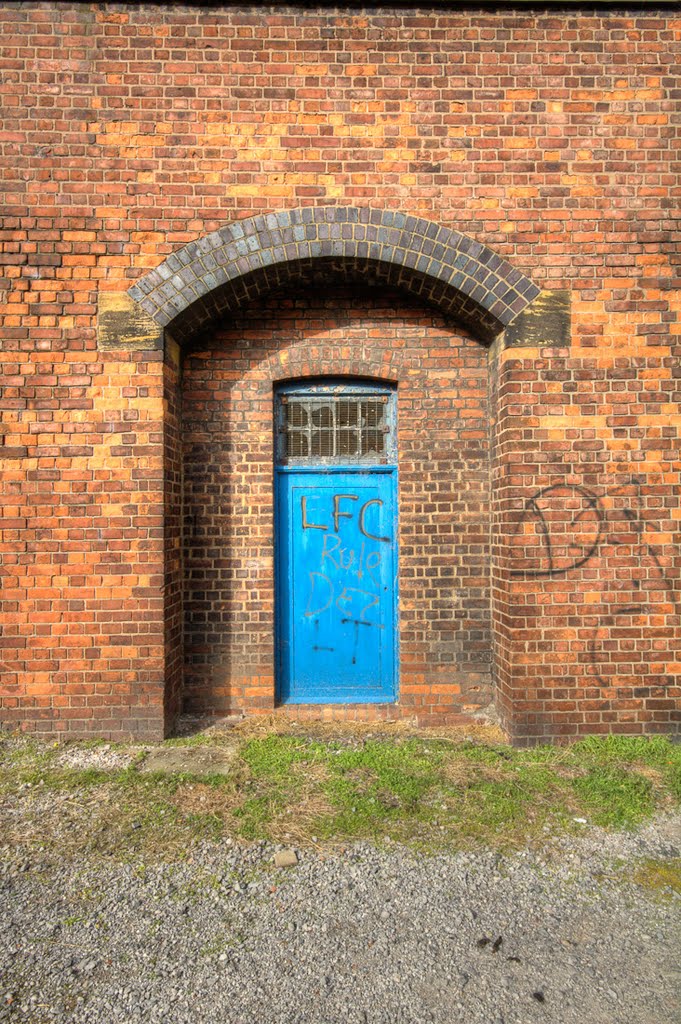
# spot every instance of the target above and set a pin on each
(533, 509)
(608, 533)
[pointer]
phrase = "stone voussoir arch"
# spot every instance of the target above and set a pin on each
(215, 275)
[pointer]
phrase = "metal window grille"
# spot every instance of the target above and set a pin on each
(334, 427)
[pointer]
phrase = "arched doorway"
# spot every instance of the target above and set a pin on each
(219, 508)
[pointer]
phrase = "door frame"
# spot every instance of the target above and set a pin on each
(283, 540)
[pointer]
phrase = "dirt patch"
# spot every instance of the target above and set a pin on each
(349, 733)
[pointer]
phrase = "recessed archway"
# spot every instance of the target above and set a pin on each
(244, 260)
(435, 648)
(211, 284)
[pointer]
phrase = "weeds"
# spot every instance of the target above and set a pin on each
(431, 792)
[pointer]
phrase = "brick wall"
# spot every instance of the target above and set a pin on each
(547, 135)
(82, 542)
(587, 580)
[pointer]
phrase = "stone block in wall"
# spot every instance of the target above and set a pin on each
(546, 321)
(122, 324)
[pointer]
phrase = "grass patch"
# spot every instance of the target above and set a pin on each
(615, 797)
(435, 794)
(331, 787)
(283, 788)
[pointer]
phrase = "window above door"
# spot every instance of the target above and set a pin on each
(335, 422)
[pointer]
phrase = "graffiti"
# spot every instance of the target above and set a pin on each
(348, 559)
(570, 527)
(307, 525)
(362, 527)
(346, 579)
(322, 596)
(337, 514)
(579, 534)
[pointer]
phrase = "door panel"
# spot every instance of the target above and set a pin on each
(337, 570)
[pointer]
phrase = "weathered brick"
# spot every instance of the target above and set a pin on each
(540, 484)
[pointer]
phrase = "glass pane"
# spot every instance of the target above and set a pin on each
(296, 414)
(322, 443)
(373, 441)
(348, 442)
(322, 415)
(347, 414)
(373, 414)
(296, 444)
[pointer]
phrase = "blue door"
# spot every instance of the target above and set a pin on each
(337, 548)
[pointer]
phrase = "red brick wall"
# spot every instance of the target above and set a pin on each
(586, 585)
(82, 542)
(550, 136)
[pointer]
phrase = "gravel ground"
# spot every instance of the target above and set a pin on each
(103, 758)
(360, 937)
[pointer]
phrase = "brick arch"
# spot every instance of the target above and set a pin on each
(216, 275)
